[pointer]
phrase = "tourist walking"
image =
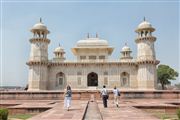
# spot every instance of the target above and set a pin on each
(116, 96)
(67, 97)
(105, 96)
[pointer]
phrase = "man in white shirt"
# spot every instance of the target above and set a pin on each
(105, 96)
(116, 96)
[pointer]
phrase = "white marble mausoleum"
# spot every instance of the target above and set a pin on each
(92, 67)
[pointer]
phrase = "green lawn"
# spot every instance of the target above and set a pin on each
(21, 116)
(162, 115)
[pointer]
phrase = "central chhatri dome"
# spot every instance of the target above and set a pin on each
(92, 46)
(92, 42)
(126, 48)
(59, 49)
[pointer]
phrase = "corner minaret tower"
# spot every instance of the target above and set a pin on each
(146, 58)
(38, 61)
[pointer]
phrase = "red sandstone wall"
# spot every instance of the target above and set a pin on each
(86, 95)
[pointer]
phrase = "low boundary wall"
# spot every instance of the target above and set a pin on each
(87, 95)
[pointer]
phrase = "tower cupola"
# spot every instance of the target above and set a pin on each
(126, 52)
(59, 54)
(144, 29)
(40, 30)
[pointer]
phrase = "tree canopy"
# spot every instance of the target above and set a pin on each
(166, 73)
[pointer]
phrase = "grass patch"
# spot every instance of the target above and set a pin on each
(21, 116)
(161, 114)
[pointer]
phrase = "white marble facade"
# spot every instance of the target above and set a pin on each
(92, 67)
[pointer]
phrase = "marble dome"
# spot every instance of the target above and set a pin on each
(59, 49)
(126, 48)
(144, 25)
(39, 26)
(92, 42)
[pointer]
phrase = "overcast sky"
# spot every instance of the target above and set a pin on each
(69, 22)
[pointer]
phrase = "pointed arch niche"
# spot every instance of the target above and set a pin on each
(124, 79)
(60, 80)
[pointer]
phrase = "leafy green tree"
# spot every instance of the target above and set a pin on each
(178, 86)
(166, 73)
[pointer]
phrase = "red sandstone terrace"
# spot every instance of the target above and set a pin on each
(48, 105)
(84, 110)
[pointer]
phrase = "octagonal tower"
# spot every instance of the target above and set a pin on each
(38, 61)
(146, 58)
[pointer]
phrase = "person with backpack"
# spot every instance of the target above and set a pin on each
(116, 96)
(105, 96)
(67, 97)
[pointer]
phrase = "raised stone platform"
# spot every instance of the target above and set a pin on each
(80, 109)
(88, 94)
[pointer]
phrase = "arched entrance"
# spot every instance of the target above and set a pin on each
(92, 79)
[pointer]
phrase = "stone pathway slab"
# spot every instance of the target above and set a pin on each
(76, 112)
(123, 112)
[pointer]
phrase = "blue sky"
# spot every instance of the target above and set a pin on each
(69, 22)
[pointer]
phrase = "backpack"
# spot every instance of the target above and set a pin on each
(68, 93)
(119, 94)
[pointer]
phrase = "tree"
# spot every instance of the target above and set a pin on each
(178, 86)
(166, 73)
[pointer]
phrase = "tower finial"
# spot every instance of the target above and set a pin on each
(97, 35)
(59, 45)
(40, 20)
(144, 18)
(87, 35)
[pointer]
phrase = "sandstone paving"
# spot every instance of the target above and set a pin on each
(149, 102)
(123, 112)
(76, 112)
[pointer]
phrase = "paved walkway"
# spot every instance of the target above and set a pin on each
(123, 112)
(76, 112)
(94, 112)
